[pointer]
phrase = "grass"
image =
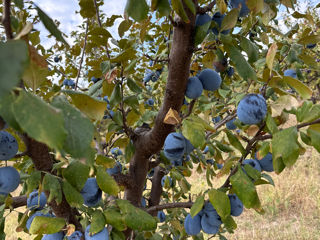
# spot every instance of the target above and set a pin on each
(292, 207)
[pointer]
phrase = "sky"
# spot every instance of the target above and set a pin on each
(65, 12)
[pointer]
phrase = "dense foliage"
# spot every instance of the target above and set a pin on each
(102, 134)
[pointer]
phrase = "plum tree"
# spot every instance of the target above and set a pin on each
(252, 109)
(89, 124)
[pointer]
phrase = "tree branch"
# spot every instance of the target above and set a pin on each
(17, 202)
(124, 180)
(82, 55)
(202, 10)
(190, 108)
(6, 21)
(170, 205)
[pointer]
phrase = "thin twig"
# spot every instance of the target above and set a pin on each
(170, 205)
(221, 123)
(173, 22)
(156, 59)
(83, 52)
(190, 108)
(202, 10)
(6, 21)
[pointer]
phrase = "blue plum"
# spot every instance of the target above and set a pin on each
(150, 102)
(194, 88)
(174, 146)
(202, 19)
(290, 73)
(192, 225)
(151, 173)
(116, 169)
(35, 201)
(91, 192)
(217, 18)
(56, 59)
(102, 235)
(210, 161)
(219, 166)
(94, 79)
(162, 216)
(266, 163)
(252, 109)
(8, 146)
(177, 162)
(163, 180)
(148, 77)
(156, 75)
(230, 125)
(230, 71)
(71, 83)
(65, 82)
(143, 202)
(244, 11)
(311, 45)
(253, 163)
(9, 179)
(208, 226)
(210, 79)
(236, 205)
(116, 151)
(75, 236)
(54, 236)
(205, 150)
(106, 99)
(36, 214)
(216, 119)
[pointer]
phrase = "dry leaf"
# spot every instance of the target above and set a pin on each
(112, 74)
(172, 117)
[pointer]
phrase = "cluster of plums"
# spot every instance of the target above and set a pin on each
(69, 82)
(153, 76)
(208, 79)
(208, 220)
(9, 176)
(265, 164)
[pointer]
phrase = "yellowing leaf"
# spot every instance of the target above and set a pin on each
(222, 6)
(172, 117)
(271, 54)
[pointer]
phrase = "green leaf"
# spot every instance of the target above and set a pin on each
(77, 142)
(309, 39)
(116, 95)
(35, 75)
(93, 108)
(123, 27)
(136, 218)
(51, 183)
(106, 183)
(50, 26)
(314, 133)
(137, 9)
(46, 225)
(250, 48)
(305, 138)
(19, 3)
(104, 161)
(271, 124)
(230, 20)
(76, 174)
(285, 146)
(220, 201)
(301, 88)
(6, 111)
(191, 6)
(243, 67)
(201, 33)
(163, 7)
(114, 218)
(270, 55)
(309, 60)
(197, 206)
(87, 9)
(13, 60)
(99, 36)
(194, 131)
(252, 172)
(255, 6)
(223, 147)
(73, 197)
(178, 7)
(234, 141)
(313, 114)
(98, 222)
(245, 189)
(133, 86)
(33, 181)
(39, 120)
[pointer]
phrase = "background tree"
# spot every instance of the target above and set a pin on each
(93, 116)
